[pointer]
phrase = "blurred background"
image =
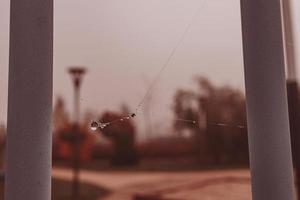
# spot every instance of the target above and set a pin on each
(189, 138)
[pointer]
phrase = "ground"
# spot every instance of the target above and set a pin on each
(204, 185)
(209, 185)
(61, 190)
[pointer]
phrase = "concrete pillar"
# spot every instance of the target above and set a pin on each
(28, 172)
(267, 109)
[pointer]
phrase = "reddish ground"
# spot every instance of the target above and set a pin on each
(210, 185)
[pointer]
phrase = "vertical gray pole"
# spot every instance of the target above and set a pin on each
(28, 172)
(76, 157)
(76, 73)
(267, 109)
(289, 41)
(77, 104)
(292, 86)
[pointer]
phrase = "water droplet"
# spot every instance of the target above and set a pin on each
(103, 125)
(94, 126)
(221, 124)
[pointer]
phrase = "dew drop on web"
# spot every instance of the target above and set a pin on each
(103, 125)
(94, 126)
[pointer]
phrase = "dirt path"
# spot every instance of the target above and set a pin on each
(211, 185)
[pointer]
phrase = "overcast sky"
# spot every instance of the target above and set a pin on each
(124, 44)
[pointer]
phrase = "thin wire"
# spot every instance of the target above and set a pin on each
(191, 121)
(103, 125)
(169, 58)
(228, 125)
(186, 120)
(130, 116)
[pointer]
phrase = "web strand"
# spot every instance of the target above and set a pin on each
(95, 125)
(169, 58)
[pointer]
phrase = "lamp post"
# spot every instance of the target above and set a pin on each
(77, 75)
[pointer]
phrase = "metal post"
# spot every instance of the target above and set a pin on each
(267, 110)
(293, 104)
(76, 73)
(76, 151)
(28, 172)
(289, 40)
(292, 86)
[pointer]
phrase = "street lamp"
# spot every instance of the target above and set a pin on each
(76, 73)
